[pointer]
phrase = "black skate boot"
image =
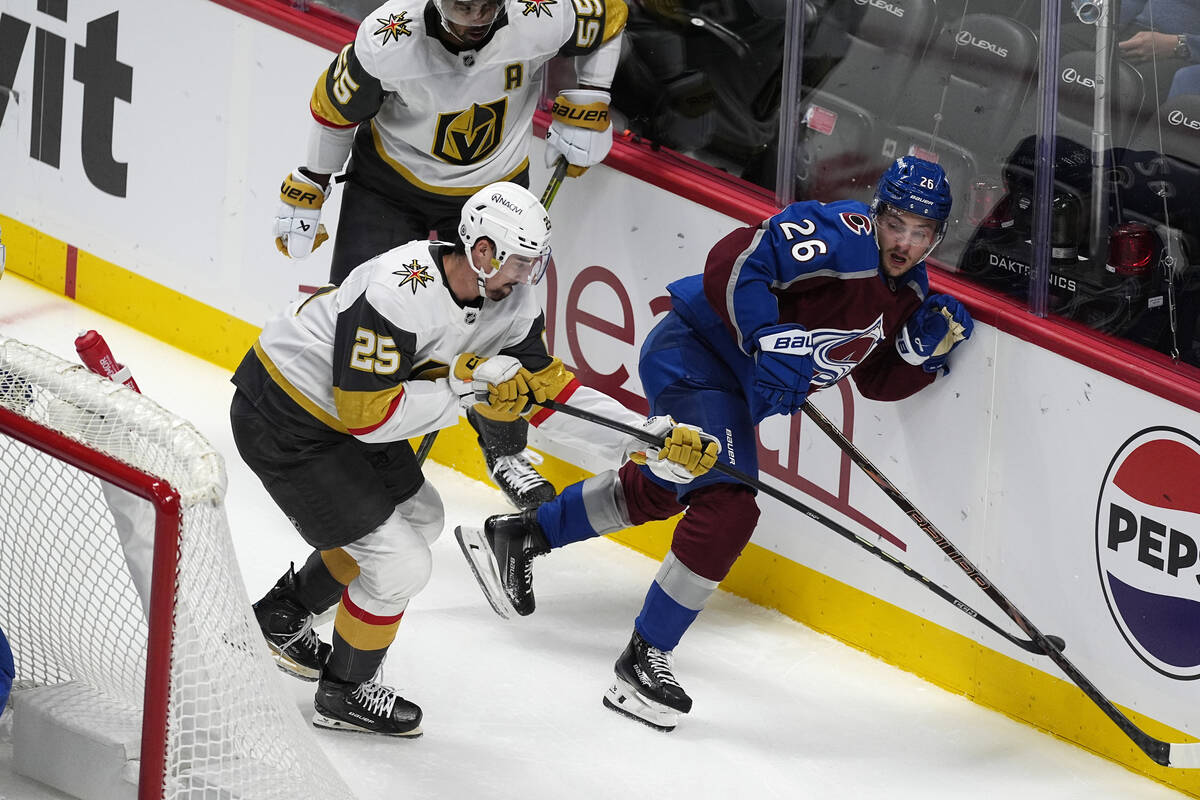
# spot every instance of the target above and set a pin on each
(287, 627)
(514, 474)
(501, 556)
(367, 707)
(645, 688)
(523, 485)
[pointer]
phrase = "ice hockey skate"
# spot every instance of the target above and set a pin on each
(521, 483)
(288, 628)
(366, 707)
(645, 688)
(501, 555)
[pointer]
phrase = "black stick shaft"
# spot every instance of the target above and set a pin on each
(841, 530)
(1158, 750)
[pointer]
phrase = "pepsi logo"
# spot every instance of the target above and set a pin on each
(1148, 548)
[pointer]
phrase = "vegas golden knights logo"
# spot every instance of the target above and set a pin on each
(465, 137)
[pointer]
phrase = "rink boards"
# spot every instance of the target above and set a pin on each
(1073, 491)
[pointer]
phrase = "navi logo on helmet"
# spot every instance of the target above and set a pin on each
(1148, 548)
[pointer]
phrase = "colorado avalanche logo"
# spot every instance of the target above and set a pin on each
(857, 223)
(1148, 548)
(836, 352)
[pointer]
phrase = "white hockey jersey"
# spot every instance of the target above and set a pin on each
(451, 122)
(361, 358)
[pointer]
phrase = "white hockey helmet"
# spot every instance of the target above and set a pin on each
(468, 13)
(517, 225)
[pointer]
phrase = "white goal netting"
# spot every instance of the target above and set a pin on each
(75, 600)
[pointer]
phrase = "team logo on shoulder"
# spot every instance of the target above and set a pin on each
(469, 136)
(857, 223)
(536, 7)
(395, 26)
(414, 275)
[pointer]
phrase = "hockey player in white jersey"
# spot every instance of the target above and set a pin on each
(432, 101)
(335, 386)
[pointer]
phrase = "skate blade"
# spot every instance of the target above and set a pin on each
(483, 564)
(624, 699)
(293, 668)
(319, 720)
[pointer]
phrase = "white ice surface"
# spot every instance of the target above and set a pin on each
(512, 709)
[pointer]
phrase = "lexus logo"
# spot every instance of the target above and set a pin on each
(965, 38)
(1177, 117)
(1071, 75)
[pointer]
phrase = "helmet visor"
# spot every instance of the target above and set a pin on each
(470, 13)
(524, 269)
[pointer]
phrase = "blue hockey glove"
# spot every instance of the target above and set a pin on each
(933, 331)
(784, 367)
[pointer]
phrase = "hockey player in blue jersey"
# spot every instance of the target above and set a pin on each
(7, 672)
(782, 309)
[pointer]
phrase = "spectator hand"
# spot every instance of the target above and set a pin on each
(933, 331)
(784, 368)
(298, 228)
(580, 130)
(686, 453)
(1148, 45)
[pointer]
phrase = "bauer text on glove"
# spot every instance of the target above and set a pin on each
(783, 368)
(933, 331)
(580, 130)
(298, 228)
(686, 453)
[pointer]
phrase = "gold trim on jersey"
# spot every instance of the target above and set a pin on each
(294, 393)
(323, 106)
(448, 191)
(616, 13)
(364, 411)
(429, 371)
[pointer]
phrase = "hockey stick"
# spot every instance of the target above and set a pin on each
(556, 179)
(1168, 754)
(842, 531)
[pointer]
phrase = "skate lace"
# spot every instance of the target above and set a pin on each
(660, 665)
(306, 637)
(376, 698)
(517, 471)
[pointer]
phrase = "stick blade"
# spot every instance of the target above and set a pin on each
(1185, 755)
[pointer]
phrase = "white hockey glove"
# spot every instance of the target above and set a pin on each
(497, 387)
(686, 454)
(580, 130)
(298, 228)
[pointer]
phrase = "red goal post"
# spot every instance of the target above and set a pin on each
(122, 600)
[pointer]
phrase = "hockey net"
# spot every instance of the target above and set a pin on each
(179, 656)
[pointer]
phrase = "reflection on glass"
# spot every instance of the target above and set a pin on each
(955, 81)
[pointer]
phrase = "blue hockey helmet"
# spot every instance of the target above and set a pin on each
(919, 187)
